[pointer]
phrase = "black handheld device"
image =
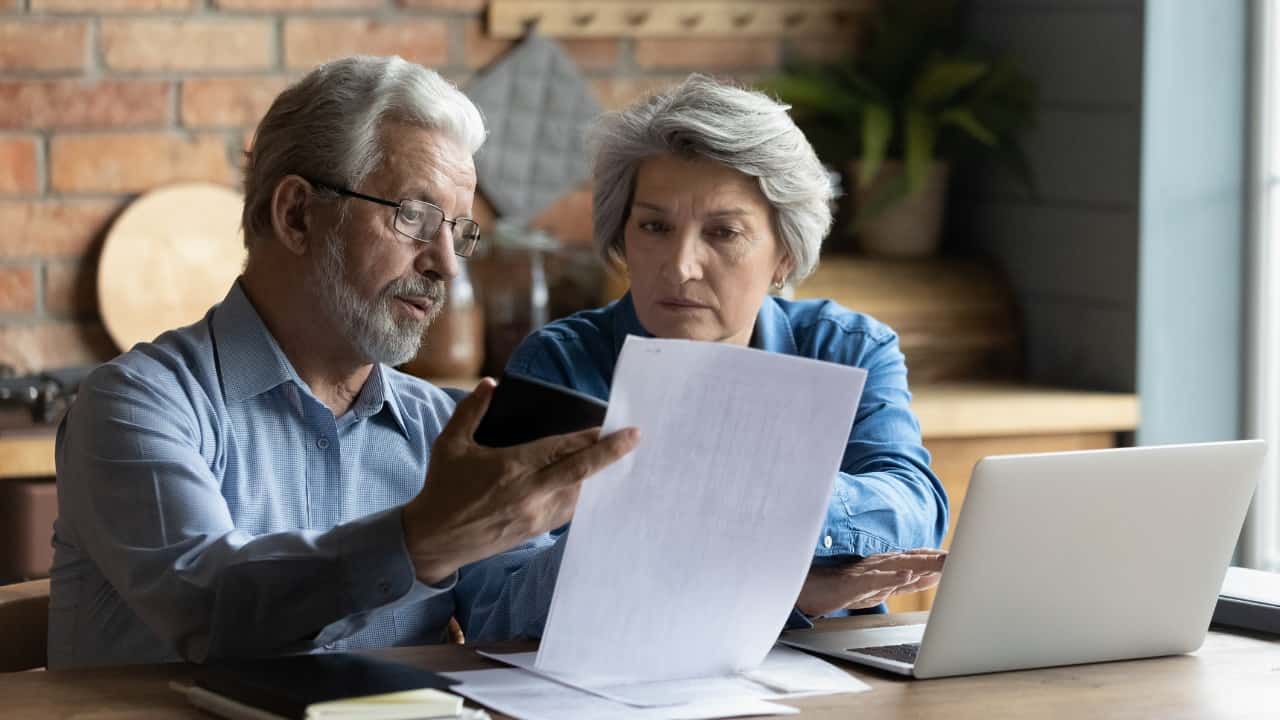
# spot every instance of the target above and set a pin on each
(524, 409)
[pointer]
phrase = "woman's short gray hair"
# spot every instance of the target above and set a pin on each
(742, 129)
(326, 126)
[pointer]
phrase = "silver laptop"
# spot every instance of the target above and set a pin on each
(1075, 557)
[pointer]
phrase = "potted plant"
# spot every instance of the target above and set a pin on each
(913, 100)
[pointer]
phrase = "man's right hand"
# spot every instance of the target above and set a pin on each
(479, 501)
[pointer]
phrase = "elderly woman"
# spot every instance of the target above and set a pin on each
(708, 196)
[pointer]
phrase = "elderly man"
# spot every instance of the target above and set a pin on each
(262, 481)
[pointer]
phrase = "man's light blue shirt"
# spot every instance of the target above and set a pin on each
(211, 506)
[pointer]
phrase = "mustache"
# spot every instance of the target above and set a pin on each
(417, 286)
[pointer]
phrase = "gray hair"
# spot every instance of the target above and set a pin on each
(326, 125)
(742, 129)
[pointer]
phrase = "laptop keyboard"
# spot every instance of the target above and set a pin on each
(905, 653)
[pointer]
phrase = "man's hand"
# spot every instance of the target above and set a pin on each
(479, 501)
(870, 581)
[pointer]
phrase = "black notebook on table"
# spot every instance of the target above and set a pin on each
(287, 686)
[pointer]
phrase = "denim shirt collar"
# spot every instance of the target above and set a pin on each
(252, 362)
(773, 332)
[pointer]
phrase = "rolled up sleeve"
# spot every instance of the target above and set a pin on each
(886, 498)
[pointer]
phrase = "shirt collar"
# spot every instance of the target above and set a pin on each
(626, 322)
(378, 395)
(252, 362)
(772, 332)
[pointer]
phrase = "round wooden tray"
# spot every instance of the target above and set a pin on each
(171, 255)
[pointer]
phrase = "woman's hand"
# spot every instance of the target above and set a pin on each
(870, 581)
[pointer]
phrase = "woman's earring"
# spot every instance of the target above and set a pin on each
(777, 284)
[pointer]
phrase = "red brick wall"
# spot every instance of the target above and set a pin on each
(103, 99)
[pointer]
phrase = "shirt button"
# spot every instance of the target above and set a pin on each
(322, 443)
(826, 541)
(384, 587)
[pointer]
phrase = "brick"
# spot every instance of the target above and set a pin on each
(109, 6)
(18, 165)
(588, 53)
(45, 345)
(136, 162)
(60, 104)
(275, 5)
(308, 42)
(43, 44)
(187, 44)
(17, 288)
(707, 53)
(615, 93)
(53, 228)
(71, 288)
(460, 6)
(225, 101)
(481, 49)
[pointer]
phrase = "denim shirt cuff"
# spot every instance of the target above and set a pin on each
(840, 541)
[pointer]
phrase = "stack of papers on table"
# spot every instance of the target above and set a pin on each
(684, 558)
(530, 695)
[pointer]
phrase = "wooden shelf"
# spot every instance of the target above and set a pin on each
(968, 410)
(675, 18)
(28, 453)
(953, 410)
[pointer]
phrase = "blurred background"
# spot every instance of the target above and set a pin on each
(1063, 206)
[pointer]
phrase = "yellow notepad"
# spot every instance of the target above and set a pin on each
(405, 705)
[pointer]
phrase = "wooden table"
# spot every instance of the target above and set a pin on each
(1232, 676)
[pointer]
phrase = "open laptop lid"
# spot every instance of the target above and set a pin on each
(1089, 556)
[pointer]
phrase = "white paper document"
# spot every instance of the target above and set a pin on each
(785, 673)
(526, 696)
(685, 557)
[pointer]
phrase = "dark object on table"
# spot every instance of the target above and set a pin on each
(1250, 600)
(286, 686)
(524, 409)
(46, 395)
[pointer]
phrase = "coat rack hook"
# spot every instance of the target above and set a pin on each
(583, 19)
(636, 19)
(691, 21)
(742, 20)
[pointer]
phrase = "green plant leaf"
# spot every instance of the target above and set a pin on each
(943, 79)
(814, 93)
(922, 132)
(877, 130)
(964, 119)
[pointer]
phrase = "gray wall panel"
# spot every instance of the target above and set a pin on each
(1071, 251)
(1063, 251)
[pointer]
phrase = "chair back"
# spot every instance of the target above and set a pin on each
(24, 625)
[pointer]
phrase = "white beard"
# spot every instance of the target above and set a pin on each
(370, 326)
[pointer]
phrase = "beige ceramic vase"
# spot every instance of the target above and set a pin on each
(912, 227)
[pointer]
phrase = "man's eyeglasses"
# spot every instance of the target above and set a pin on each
(419, 220)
